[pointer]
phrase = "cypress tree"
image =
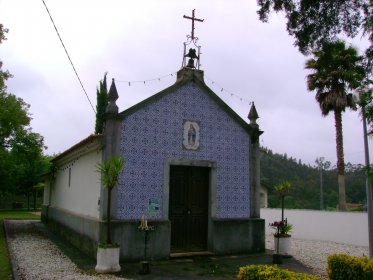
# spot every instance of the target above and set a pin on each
(101, 93)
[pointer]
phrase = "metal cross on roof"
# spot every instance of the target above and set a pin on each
(193, 18)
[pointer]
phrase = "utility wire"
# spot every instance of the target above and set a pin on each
(68, 56)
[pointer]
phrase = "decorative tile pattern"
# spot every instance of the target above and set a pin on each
(155, 132)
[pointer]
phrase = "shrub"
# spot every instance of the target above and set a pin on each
(267, 272)
(345, 267)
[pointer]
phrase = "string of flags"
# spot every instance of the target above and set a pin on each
(222, 89)
(146, 81)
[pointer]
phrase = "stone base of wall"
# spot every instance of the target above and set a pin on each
(132, 240)
(80, 231)
(235, 236)
(85, 233)
(227, 236)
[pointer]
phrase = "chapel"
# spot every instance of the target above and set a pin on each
(192, 170)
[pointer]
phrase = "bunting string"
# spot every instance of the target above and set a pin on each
(231, 94)
(213, 83)
(145, 81)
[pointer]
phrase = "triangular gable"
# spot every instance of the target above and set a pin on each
(185, 76)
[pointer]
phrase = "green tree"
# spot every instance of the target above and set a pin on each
(4, 75)
(312, 22)
(110, 170)
(283, 190)
(21, 151)
(322, 165)
(366, 102)
(101, 94)
(29, 162)
(14, 117)
(336, 70)
(305, 193)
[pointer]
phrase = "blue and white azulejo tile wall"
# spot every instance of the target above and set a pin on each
(154, 133)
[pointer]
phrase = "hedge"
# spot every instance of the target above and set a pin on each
(267, 272)
(345, 267)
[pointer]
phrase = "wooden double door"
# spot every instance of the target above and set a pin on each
(188, 208)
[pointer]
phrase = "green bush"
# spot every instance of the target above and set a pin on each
(345, 267)
(267, 272)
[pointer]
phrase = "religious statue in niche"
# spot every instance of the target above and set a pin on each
(191, 135)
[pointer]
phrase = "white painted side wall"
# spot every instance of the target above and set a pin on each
(342, 227)
(83, 194)
(46, 192)
(263, 197)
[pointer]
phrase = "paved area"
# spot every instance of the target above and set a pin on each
(209, 267)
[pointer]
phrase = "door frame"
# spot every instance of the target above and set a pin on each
(211, 191)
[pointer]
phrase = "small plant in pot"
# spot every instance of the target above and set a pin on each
(283, 190)
(283, 228)
(108, 252)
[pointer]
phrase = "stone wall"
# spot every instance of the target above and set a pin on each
(342, 227)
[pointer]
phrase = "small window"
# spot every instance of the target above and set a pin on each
(69, 176)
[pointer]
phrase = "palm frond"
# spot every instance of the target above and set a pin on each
(110, 170)
(335, 70)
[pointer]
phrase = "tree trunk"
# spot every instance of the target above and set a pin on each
(34, 196)
(108, 233)
(282, 207)
(28, 201)
(340, 161)
(321, 190)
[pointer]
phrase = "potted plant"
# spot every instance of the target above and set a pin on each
(283, 190)
(282, 237)
(108, 252)
(283, 228)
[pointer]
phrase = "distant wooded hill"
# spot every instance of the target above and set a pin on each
(305, 180)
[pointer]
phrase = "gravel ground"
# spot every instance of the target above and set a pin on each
(314, 253)
(37, 257)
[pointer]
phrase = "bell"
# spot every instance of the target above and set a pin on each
(190, 63)
(191, 53)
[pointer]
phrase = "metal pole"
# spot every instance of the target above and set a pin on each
(368, 185)
(321, 189)
(282, 208)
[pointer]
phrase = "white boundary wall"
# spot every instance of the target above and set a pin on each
(342, 227)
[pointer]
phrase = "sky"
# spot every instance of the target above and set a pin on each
(242, 58)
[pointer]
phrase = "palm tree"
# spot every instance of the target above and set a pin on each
(336, 70)
(110, 171)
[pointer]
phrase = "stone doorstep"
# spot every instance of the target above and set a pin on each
(190, 254)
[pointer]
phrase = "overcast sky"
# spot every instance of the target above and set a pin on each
(143, 40)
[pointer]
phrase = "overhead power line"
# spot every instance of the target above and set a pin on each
(68, 56)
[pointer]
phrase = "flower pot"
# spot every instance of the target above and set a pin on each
(108, 260)
(285, 245)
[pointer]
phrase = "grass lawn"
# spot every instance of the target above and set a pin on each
(19, 214)
(5, 271)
